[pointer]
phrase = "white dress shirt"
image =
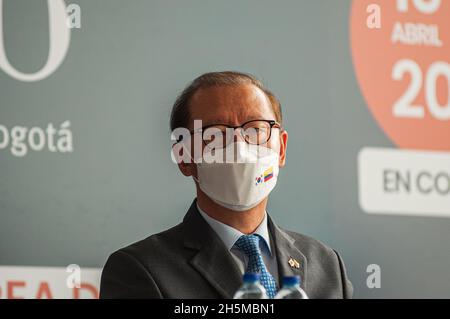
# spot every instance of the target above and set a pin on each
(230, 235)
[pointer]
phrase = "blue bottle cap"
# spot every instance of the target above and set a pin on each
(250, 277)
(291, 280)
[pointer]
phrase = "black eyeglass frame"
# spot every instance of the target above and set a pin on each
(272, 123)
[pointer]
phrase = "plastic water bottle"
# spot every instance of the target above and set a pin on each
(251, 288)
(291, 289)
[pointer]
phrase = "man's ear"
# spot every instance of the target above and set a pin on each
(185, 164)
(283, 147)
(187, 169)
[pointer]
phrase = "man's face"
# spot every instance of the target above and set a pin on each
(234, 105)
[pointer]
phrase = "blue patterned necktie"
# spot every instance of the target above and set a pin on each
(249, 245)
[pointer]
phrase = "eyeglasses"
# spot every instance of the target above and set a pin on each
(255, 132)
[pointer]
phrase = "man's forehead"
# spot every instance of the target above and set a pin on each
(229, 104)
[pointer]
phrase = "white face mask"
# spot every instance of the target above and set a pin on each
(243, 183)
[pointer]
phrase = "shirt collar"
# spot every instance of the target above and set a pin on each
(230, 235)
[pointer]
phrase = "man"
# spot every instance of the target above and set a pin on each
(226, 231)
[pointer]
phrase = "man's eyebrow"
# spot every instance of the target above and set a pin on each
(213, 122)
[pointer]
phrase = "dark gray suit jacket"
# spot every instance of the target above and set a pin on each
(191, 261)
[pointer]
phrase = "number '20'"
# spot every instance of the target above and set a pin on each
(404, 107)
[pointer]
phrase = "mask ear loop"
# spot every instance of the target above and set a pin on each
(195, 178)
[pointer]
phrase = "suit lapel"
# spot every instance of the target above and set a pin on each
(212, 259)
(286, 251)
(215, 263)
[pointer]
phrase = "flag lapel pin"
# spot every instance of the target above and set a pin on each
(294, 263)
